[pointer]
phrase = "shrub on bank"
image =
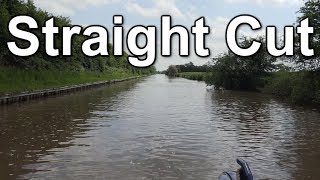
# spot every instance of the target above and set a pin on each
(279, 83)
(299, 87)
(198, 76)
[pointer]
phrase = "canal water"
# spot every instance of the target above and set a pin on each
(158, 128)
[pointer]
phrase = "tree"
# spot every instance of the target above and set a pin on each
(311, 10)
(40, 60)
(172, 71)
(241, 73)
(4, 16)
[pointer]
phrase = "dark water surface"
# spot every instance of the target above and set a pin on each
(158, 128)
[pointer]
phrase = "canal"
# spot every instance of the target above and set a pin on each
(158, 128)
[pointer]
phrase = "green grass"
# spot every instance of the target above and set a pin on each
(199, 76)
(13, 81)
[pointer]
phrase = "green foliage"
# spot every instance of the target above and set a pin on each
(279, 83)
(5, 17)
(41, 61)
(259, 71)
(188, 71)
(198, 76)
(311, 10)
(233, 72)
(299, 87)
(190, 67)
(302, 90)
(14, 80)
(41, 70)
(172, 71)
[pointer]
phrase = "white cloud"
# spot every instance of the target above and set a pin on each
(68, 7)
(160, 7)
(270, 2)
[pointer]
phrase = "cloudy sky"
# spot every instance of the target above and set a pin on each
(184, 12)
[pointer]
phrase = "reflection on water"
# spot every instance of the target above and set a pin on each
(158, 128)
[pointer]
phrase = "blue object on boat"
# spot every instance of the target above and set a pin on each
(244, 173)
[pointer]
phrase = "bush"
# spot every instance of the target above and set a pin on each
(299, 87)
(302, 89)
(279, 83)
(198, 76)
(172, 71)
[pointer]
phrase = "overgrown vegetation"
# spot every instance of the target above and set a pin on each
(299, 87)
(23, 70)
(259, 72)
(198, 76)
(172, 71)
(311, 10)
(234, 72)
(188, 71)
(190, 67)
(262, 72)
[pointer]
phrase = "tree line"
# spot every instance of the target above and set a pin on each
(174, 70)
(300, 83)
(41, 61)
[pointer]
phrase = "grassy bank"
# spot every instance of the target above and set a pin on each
(198, 76)
(13, 81)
